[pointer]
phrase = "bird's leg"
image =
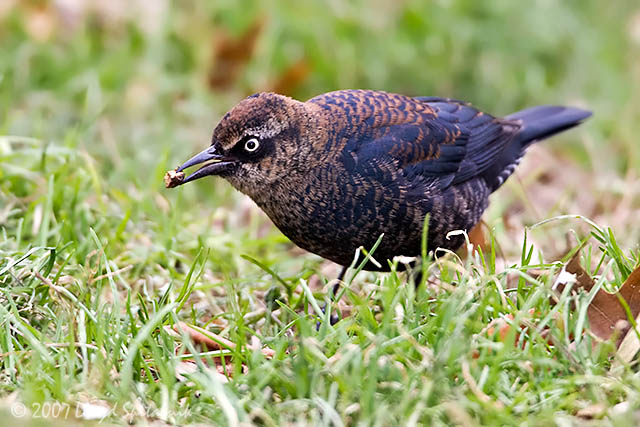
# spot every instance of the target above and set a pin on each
(340, 278)
(413, 270)
(417, 278)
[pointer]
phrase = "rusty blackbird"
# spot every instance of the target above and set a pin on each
(335, 172)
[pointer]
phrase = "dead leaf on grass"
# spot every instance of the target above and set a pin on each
(231, 55)
(607, 314)
(291, 78)
(592, 411)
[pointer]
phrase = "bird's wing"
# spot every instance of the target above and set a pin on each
(483, 136)
(434, 142)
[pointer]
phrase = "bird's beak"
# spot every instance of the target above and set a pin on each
(214, 164)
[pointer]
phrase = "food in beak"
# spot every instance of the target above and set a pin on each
(173, 178)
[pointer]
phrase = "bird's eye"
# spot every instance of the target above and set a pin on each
(251, 145)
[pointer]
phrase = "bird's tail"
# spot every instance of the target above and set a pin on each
(536, 123)
(544, 121)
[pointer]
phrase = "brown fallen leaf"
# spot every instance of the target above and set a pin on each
(478, 238)
(231, 55)
(291, 78)
(590, 412)
(606, 312)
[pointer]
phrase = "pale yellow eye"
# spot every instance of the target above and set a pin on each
(251, 145)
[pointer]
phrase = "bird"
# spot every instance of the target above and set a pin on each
(340, 170)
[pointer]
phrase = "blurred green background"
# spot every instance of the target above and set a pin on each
(141, 68)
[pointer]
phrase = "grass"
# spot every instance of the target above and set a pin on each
(98, 262)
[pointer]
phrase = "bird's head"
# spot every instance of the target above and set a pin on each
(259, 141)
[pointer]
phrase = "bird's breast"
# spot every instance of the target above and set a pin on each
(332, 212)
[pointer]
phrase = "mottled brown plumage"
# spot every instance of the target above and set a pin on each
(337, 171)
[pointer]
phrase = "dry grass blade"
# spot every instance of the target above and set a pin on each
(213, 341)
(473, 386)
